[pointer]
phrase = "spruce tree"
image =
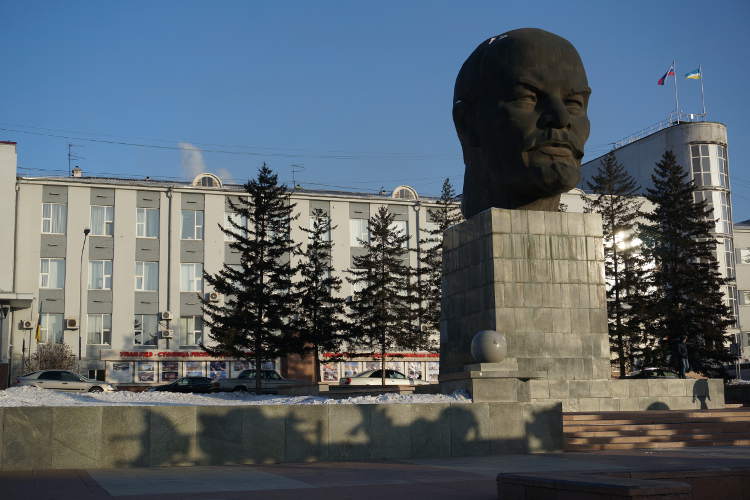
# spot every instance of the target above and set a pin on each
(320, 313)
(446, 214)
(686, 297)
(383, 305)
(614, 197)
(252, 321)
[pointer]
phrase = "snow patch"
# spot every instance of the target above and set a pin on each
(33, 396)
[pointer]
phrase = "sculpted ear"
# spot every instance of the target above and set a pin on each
(465, 121)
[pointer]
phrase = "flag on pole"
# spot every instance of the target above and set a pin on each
(694, 75)
(670, 72)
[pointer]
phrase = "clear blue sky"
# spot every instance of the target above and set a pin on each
(359, 93)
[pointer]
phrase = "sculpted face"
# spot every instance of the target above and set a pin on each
(520, 112)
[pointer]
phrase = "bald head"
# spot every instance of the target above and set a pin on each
(520, 106)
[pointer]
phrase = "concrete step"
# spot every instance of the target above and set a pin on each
(592, 431)
(638, 446)
(660, 430)
(659, 439)
(686, 426)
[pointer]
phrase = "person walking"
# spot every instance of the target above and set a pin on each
(680, 355)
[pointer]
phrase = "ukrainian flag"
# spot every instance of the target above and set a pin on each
(693, 75)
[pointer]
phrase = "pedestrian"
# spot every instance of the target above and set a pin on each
(680, 356)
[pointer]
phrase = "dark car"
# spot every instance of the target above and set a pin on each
(654, 373)
(186, 384)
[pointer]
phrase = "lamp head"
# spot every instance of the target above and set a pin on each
(86, 231)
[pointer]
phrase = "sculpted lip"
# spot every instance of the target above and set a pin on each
(557, 149)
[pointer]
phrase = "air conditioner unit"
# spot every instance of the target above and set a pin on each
(213, 296)
(166, 316)
(71, 324)
(167, 334)
(27, 324)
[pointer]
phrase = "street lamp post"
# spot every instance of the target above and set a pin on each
(86, 232)
(417, 207)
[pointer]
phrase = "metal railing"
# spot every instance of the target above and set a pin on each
(672, 119)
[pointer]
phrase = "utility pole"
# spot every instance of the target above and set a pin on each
(72, 156)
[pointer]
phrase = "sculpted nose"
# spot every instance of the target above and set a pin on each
(555, 115)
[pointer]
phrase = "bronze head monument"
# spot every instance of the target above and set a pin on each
(520, 110)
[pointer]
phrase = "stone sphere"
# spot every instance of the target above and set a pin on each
(489, 346)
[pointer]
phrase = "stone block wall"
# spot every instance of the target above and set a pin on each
(141, 436)
(630, 394)
(537, 277)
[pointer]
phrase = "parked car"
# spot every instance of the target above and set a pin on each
(654, 373)
(62, 380)
(186, 384)
(375, 377)
(245, 382)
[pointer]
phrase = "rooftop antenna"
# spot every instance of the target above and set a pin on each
(72, 156)
(296, 168)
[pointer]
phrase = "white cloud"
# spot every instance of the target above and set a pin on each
(225, 176)
(191, 160)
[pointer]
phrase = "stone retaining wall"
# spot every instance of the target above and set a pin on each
(630, 394)
(144, 436)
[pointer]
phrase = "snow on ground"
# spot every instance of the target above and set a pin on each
(32, 396)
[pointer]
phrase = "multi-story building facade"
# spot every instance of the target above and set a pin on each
(113, 268)
(701, 148)
(742, 249)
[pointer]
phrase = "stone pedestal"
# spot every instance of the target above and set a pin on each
(538, 278)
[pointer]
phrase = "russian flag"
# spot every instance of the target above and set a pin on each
(670, 72)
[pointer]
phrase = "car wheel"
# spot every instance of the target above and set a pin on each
(96, 388)
(240, 388)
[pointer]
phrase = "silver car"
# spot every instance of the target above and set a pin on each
(62, 380)
(375, 377)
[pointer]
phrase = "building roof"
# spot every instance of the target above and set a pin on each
(188, 185)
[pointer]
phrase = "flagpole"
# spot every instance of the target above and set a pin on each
(703, 98)
(676, 98)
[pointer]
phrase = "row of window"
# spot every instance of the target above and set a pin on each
(54, 217)
(703, 157)
(52, 275)
(99, 329)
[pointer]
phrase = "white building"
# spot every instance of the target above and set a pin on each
(701, 148)
(125, 296)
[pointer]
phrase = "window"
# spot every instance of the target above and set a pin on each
(745, 297)
(100, 329)
(725, 220)
(147, 223)
(146, 276)
(238, 219)
(100, 275)
(52, 273)
(732, 303)
(54, 217)
(192, 224)
(401, 228)
(325, 236)
(701, 164)
(146, 330)
(191, 277)
(729, 257)
(51, 328)
(359, 231)
(207, 182)
(192, 330)
(102, 221)
(721, 159)
(744, 256)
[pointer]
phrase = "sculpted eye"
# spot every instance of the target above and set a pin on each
(574, 103)
(525, 98)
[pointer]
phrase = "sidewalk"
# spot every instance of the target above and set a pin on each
(439, 478)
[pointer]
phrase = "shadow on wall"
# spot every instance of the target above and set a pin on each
(173, 436)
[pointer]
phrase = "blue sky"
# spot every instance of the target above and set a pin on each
(358, 93)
